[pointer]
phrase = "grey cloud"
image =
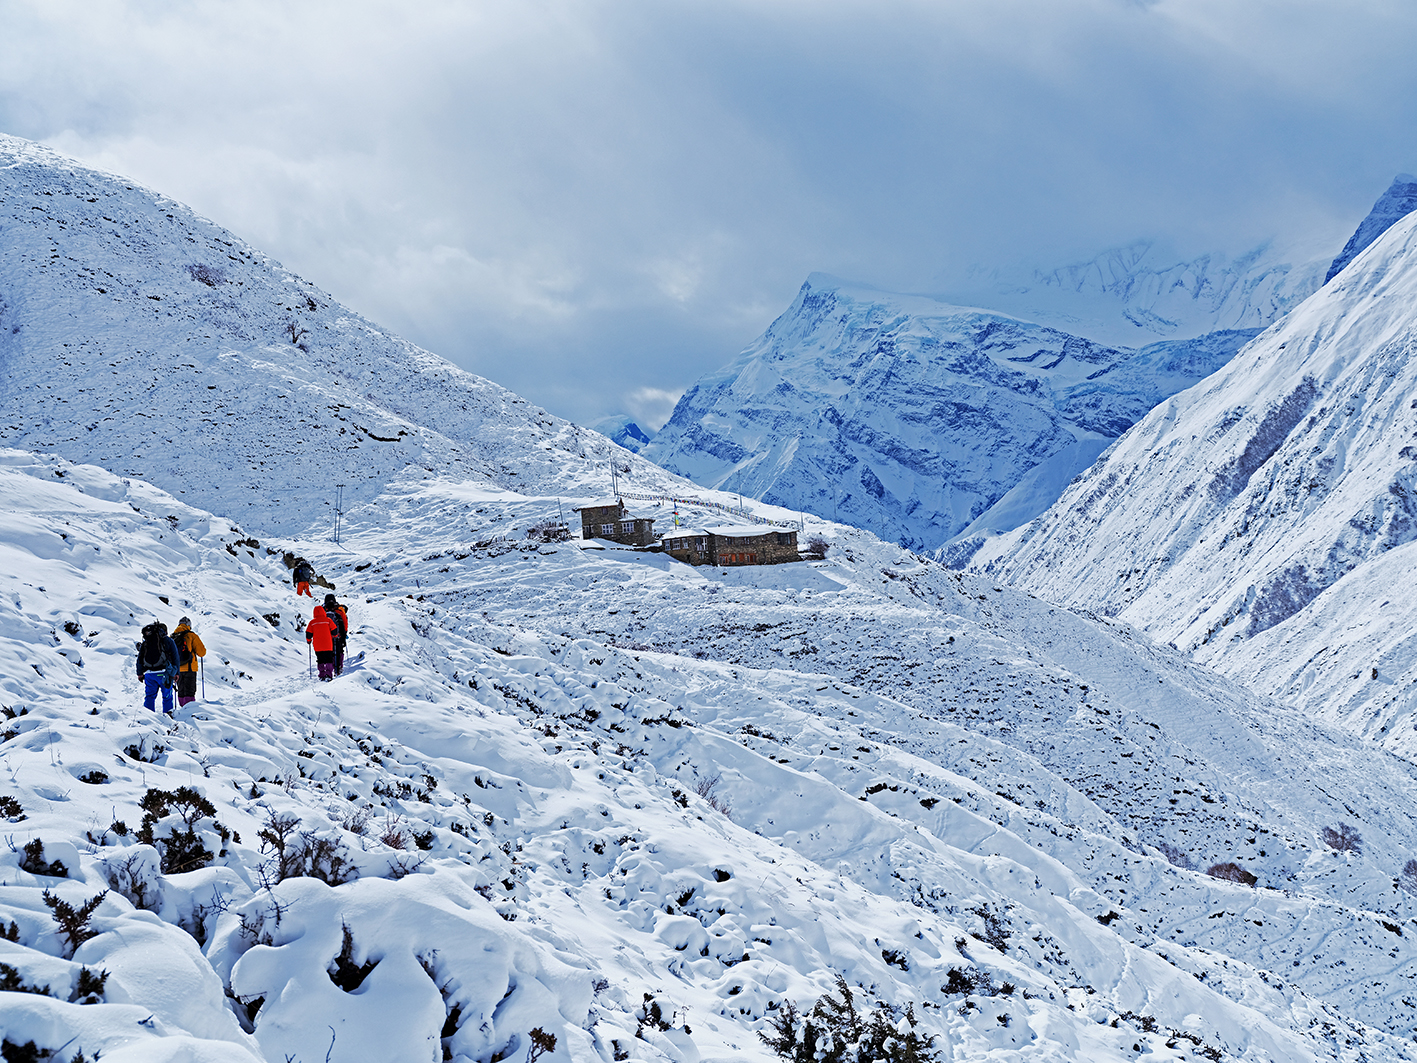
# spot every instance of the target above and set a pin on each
(585, 199)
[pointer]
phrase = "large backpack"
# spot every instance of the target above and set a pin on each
(184, 647)
(154, 651)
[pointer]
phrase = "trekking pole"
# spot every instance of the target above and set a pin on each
(202, 671)
(309, 666)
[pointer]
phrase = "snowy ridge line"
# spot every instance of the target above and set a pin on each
(751, 517)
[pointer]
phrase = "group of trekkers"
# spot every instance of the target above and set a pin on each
(165, 659)
(328, 630)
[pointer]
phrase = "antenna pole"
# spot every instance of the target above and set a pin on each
(339, 509)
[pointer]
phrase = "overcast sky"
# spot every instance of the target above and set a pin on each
(595, 202)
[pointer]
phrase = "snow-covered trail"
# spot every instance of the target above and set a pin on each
(523, 810)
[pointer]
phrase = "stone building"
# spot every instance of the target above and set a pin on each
(609, 520)
(749, 544)
(690, 545)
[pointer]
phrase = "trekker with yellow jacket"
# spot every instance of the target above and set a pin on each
(189, 649)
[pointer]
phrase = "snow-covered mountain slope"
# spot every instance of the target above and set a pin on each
(636, 805)
(1236, 504)
(912, 417)
(598, 795)
(1135, 294)
(622, 429)
(139, 335)
(1392, 206)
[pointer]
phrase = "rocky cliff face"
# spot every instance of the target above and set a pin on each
(912, 417)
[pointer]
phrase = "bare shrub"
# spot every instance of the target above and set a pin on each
(299, 853)
(34, 862)
(549, 531)
(297, 334)
(707, 788)
(1175, 856)
(325, 859)
(277, 837)
(1231, 872)
(357, 822)
(816, 547)
(181, 850)
(135, 876)
(392, 834)
(1344, 838)
(74, 922)
(541, 1043)
(343, 971)
(211, 276)
(1408, 879)
(834, 1031)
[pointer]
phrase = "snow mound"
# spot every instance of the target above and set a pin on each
(633, 807)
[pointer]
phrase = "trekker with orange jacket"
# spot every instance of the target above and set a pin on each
(320, 633)
(189, 649)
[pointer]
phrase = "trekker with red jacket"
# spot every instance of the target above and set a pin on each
(320, 633)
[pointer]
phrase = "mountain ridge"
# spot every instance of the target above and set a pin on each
(1303, 444)
(913, 417)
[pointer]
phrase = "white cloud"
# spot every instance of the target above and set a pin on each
(555, 192)
(651, 407)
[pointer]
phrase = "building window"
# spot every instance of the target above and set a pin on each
(607, 529)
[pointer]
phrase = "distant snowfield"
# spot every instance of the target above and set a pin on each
(577, 789)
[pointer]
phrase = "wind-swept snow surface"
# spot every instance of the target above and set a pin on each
(559, 778)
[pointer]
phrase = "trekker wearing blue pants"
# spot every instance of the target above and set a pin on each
(157, 665)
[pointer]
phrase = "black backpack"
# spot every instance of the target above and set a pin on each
(154, 648)
(184, 647)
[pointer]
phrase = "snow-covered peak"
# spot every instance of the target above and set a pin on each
(1392, 206)
(1138, 293)
(622, 429)
(913, 417)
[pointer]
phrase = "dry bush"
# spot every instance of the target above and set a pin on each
(707, 788)
(211, 276)
(1176, 856)
(1231, 872)
(1343, 838)
(393, 834)
(1408, 879)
